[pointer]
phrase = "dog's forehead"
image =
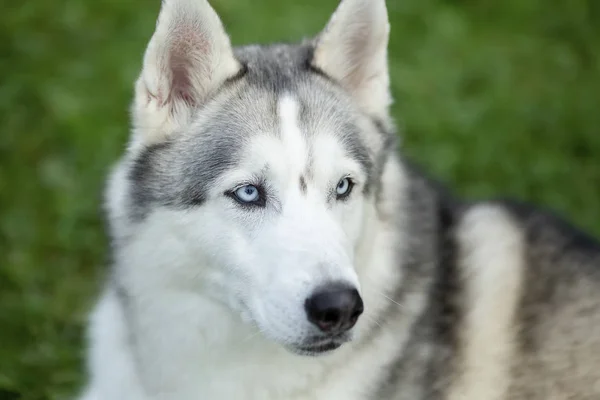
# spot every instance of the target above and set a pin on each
(308, 142)
(292, 129)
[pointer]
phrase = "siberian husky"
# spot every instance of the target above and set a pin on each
(269, 242)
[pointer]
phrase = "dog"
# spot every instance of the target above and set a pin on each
(271, 242)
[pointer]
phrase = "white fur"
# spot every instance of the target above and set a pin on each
(492, 266)
(111, 354)
(293, 139)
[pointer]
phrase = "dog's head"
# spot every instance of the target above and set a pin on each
(249, 169)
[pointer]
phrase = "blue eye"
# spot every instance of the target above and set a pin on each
(344, 188)
(247, 194)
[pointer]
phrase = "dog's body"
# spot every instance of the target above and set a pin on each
(259, 180)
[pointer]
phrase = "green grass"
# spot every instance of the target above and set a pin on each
(495, 97)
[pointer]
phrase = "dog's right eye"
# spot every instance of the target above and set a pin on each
(248, 195)
(344, 188)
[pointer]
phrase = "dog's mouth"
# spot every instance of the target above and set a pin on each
(318, 349)
(320, 346)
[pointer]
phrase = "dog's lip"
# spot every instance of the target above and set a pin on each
(320, 345)
(319, 348)
(321, 339)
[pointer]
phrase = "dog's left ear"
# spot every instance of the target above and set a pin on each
(353, 50)
(188, 58)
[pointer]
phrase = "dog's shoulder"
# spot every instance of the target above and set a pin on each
(528, 295)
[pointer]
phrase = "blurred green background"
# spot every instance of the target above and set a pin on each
(495, 97)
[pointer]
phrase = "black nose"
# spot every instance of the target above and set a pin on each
(334, 308)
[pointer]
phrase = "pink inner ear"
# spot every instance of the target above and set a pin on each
(181, 88)
(188, 59)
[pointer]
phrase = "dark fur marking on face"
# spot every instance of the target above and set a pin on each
(303, 186)
(142, 175)
(389, 147)
(275, 67)
(352, 142)
(178, 173)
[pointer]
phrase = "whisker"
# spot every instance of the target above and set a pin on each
(373, 320)
(392, 300)
(252, 336)
(385, 296)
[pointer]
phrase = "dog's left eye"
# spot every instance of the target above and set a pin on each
(344, 187)
(248, 194)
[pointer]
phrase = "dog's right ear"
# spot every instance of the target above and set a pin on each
(187, 59)
(353, 50)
